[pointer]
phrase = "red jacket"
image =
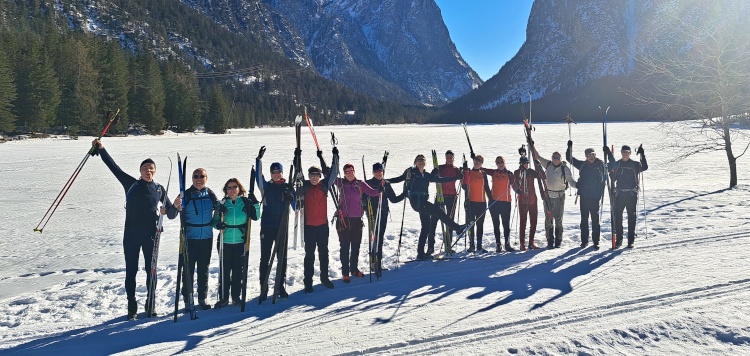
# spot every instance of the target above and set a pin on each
(445, 170)
(525, 187)
(316, 206)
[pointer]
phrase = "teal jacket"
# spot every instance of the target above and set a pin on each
(236, 218)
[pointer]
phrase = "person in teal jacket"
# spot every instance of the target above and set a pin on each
(232, 216)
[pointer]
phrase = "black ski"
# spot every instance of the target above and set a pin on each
(246, 255)
(183, 260)
(151, 300)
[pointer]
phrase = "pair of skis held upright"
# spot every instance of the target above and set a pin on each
(374, 220)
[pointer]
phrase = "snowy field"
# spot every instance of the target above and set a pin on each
(684, 289)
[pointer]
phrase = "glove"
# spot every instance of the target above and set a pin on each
(94, 150)
(335, 151)
(570, 143)
(381, 188)
(320, 154)
(288, 195)
(261, 152)
(221, 225)
(434, 171)
(252, 199)
(220, 208)
(473, 155)
(297, 152)
(639, 151)
(466, 166)
(606, 150)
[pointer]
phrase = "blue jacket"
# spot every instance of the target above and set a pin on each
(199, 211)
(272, 199)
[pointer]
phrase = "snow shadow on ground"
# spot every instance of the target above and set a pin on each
(508, 278)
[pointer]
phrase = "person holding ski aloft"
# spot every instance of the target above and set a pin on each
(349, 224)
(315, 190)
(276, 196)
(199, 208)
(377, 182)
(417, 183)
(527, 200)
(559, 177)
(142, 197)
(590, 187)
(449, 196)
(476, 180)
(502, 192)
(624, 175)
(236, 209)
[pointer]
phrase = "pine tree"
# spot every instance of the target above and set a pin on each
(113, 64)
(79, 81)
(182, 108)
(147, 94)
(7, 95)
(37, 88)
(217, 111)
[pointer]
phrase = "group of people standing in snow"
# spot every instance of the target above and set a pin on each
(486, 190)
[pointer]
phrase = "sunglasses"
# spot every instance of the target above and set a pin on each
(197, 176)
(314, 175)
(232, 187)
(555, 157)
(349, 171)
(420, 159)
(275, 172)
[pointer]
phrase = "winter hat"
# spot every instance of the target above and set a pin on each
(449, 152)
(314, 169)
(276, 166)
(625, 148)
(589, 151)
(523, 160)
(147, 161)
(377, 167)
(347, 166)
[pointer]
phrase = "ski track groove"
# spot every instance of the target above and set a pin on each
(539, 324)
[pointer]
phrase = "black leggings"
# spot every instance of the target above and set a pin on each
(231, 268)
(426, 212)
(501, 211)
(316, 237)
(132, 245)
(199, 253)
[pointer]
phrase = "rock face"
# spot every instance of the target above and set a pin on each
(392, 49)
(580, 54)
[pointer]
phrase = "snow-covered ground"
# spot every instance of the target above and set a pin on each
(682, 290)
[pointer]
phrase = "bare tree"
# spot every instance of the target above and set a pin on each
(699, 80)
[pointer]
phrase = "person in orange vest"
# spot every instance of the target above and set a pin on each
(502, 195)
(526, 198)
(476, 181)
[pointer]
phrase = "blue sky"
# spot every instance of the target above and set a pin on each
(487, 33)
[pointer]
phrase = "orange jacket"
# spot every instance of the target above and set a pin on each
(475, 181)
(502, 184)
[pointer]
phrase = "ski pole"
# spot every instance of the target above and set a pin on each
(112, 118)
(220, 294)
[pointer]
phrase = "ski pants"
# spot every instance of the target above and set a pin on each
(427, 211)
(450, 201)
(350, 239)
(590, 209)
(531, 210)
(626, 200)
(316, 237)
(476, 212)
(501, 210)
(132, 245)
(268, 236)
(199, 253)
(556, 220)
(231, 268)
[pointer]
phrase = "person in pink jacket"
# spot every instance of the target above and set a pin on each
(349, 221)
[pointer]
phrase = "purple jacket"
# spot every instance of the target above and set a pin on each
(350, 196)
